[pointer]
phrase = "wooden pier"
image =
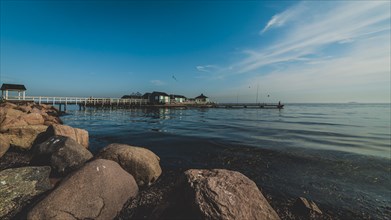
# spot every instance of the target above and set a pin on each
(250, 105)
(81, 101)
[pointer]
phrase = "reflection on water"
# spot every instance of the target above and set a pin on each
(336, 154)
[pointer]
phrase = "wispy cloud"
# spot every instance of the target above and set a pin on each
(208, 68)
(281, 19)
(315, 27)
(157, 82)
(214, 71)
(323, 51)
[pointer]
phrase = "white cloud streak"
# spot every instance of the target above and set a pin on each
(281, 19)
(313, 28)
(157, 82)
(326, 51)
(207, 68)
(213, 71)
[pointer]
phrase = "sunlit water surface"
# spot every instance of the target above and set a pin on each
(335, 154)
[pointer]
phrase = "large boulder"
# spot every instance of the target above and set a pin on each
(11, 122)
(19, 185)
(79, 135)
(96, 191)
(63, 154)
(23, 137)
(33, 119)
(6, 105)
(9, 111)
(223, 194)
(142, 163)
(4, 144)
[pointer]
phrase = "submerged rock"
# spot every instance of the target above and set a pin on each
(223, 194)
(62, 153)
(142, 163)
(306, 208)
(19, 185)
(96, 191)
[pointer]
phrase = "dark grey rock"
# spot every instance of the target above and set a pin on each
(63, 153)
(223, 194)
(98, 190)
(19, 185)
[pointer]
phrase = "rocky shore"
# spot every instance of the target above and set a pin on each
(47, 172)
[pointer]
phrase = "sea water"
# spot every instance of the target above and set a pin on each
(336, 154)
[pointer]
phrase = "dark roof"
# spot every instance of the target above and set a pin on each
(131, 97)
(12, 87)
(136, 95)
(159, 93)
(201, 97)
(146, 95)
(172, 96)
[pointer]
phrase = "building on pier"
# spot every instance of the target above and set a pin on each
(6, 89)
(201, 99)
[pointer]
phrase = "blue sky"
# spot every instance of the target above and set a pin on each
(293, 51)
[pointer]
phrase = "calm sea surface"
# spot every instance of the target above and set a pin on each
(336, 154)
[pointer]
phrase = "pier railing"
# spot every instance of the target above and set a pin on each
(78, 100)
(91, 101)
(250, 105)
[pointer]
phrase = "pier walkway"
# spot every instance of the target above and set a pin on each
(81, 101)
(119, 102)
(250, 105)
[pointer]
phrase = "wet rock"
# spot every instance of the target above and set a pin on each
(62, 153)
(142, 163)
(23, 137)
(96, 191)
(307, 209)
(79, 135)
(153, 202)
(4, 144)
(12, 159)
(223, 194)
(19, 185)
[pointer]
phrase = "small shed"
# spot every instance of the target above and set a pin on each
(201, 99)
(6, 88)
